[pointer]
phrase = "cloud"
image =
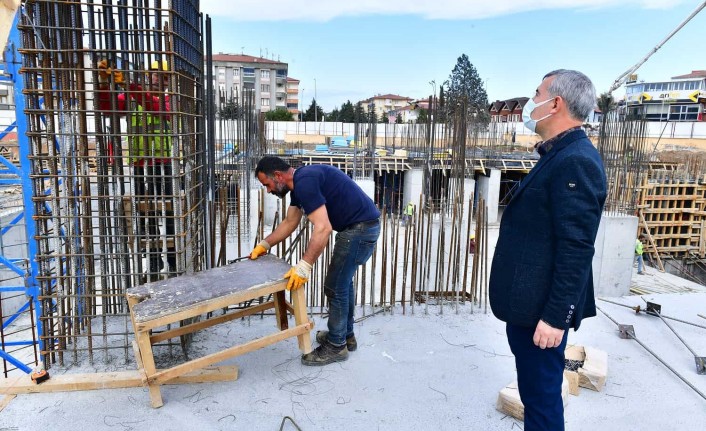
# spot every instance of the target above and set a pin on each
(325, 10)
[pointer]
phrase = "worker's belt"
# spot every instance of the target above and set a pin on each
(363, 224)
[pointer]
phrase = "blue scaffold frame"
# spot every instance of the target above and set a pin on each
(22, 174)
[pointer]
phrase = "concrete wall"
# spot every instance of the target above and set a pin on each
(489, 189)
(615, 250)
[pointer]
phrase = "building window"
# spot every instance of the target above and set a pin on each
(265, 88)
(248, 72)
(264, 102)
(683, 112)
(281, 74)
(265, 74)
(236, 73)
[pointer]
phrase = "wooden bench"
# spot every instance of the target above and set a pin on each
(161, 303)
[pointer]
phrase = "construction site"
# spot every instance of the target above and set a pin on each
(124, 284)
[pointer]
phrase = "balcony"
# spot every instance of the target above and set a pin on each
(292, 91)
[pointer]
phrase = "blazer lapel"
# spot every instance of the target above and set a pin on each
(563, 143)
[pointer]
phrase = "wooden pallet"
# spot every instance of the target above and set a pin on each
(675, 215)
(155, 305)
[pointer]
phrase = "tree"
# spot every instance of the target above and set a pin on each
(279, 114)
(309, 114)
(384, 118)
(605, 103)
(359, 115)
(422, 116)
(465, 88)
(334, 115)
(347, 113)
(398, 120)
(229, 111)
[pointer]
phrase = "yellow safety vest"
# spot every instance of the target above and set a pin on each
(410, 209)
(152, 140)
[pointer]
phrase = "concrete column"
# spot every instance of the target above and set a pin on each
(368, 186)
(413, 185)
(615, 250)
(469, 186)
(272, 204)
(489, 189)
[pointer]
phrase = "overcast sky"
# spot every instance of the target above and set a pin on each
(354, 50)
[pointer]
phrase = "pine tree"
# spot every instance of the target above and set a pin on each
(309, 114)
(465, 88)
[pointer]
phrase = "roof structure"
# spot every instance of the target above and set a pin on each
(386, 96)
(693, 74)
(242, 58)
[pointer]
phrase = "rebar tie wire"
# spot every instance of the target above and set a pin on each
(628, 332)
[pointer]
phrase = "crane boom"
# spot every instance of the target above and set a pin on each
(622, 78)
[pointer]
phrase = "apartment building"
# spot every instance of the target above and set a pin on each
(235, 73)
(293, 96)
(385, 103)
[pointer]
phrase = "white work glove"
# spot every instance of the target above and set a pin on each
(298, 275)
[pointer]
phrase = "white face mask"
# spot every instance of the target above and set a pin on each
(530, 106)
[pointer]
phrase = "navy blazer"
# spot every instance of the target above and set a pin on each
(542, 263)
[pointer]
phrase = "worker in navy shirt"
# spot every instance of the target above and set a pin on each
(331, 201)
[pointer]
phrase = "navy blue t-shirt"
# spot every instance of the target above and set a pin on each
(346, 203)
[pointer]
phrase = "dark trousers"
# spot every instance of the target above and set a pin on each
(154, 184)
(540, 373)
(353, 247)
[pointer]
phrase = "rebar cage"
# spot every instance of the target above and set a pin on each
(114, 97)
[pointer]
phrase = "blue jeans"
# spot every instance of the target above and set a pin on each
(353, 247)
(640, 263)
(540, 373)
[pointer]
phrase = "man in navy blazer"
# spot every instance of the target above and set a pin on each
(541, 282)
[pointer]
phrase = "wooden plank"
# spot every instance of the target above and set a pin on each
(206, 306)
(573, 378)
(230, 352)
(193, 327)
(300, 318)
(281, 310)
(6, 400)
(112, 380)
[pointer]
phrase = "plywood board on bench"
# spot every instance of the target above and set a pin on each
(226, 283)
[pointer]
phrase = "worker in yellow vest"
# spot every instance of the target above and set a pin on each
(150, 150)
(409, 213)
(638, 255)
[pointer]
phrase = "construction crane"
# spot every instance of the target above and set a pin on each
(625, 75)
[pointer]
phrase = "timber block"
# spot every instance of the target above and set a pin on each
(509, 400)
(594, 371)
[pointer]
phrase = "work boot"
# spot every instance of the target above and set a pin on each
(351, 343)
(325, 354)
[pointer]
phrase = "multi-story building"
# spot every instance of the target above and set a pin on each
(293, 96)
(683, 98)
(235, 73)
(510, 110)
(385, 103)
(410, 112)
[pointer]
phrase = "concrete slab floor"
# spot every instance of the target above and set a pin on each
(410, 372)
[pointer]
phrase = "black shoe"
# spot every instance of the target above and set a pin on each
(325, 354)
(351, 343)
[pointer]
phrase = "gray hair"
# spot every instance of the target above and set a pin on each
(576, 89)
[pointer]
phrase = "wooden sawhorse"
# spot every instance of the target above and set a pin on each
(158, 304)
